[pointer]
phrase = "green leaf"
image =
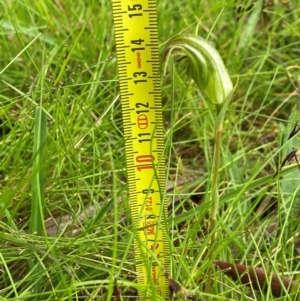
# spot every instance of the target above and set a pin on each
(39, 173)
(205, 66)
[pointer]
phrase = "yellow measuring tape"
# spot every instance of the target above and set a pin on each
(135, 23)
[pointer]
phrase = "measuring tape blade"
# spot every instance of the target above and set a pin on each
(135, 23)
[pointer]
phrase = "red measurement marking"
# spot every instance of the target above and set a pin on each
(142, 121)
(148, 206)
(150, 228)
(152, 247)
(145, 158)
(140, 168)
(138, 60)
(154, 277)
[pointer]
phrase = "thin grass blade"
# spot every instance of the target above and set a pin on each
(39, 173)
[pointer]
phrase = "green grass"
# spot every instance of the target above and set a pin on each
(60, 56)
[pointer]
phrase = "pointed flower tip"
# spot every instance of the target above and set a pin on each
(206, 66)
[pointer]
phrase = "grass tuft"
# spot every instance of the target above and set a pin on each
(60, 57)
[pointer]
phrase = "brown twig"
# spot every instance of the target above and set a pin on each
(257, 278)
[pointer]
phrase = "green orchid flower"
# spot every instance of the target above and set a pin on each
(205, 66)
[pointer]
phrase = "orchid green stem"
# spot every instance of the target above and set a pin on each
(214, 186)
(220, 112)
